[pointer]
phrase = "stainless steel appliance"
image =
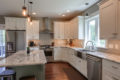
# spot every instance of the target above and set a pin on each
(48, 50)
(94, 66)
(81, 54)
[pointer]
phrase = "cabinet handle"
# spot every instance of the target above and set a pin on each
(114, 78)
(114, 67)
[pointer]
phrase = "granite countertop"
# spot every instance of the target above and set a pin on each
(21, 58)
(104, 55)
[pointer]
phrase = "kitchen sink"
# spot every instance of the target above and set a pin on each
(86, 50)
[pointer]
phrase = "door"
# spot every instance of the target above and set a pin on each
(108, 19)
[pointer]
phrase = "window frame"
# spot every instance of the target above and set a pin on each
(95, 17)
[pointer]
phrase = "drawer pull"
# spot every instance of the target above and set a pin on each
(115, 78)
(114, 67)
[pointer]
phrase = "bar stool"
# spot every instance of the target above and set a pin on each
(7, 75)
(28, 78)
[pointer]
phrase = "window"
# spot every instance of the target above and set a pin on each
(92, 31)
(2, 43)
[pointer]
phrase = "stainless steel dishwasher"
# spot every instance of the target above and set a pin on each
(94, 66)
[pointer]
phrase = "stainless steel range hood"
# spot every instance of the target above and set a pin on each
(47, 26)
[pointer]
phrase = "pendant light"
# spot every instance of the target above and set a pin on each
(24, 10)
(30, 18)
(29, 12)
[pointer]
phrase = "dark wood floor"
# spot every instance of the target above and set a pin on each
(62, 71)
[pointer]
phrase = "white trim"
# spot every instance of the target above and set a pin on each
(92, 15)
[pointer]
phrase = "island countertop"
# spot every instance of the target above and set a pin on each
(21, 58)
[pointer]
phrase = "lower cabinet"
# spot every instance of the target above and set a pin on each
(109, 76)
(110, 70)
(68, 55)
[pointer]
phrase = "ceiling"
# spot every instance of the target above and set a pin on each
(45, 8)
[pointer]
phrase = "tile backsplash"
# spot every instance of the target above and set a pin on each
(72, 42)
(113, 46)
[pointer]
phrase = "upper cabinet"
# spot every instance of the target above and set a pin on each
(73, 29)
(110, 19)
(59, 30)
(13, 23)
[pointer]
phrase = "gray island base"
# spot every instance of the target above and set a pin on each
(32, 70)
(26, 65)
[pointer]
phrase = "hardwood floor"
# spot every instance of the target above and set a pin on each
(62, 71)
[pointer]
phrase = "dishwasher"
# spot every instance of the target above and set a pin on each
(94, 66)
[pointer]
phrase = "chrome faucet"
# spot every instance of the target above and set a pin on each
(91, 48)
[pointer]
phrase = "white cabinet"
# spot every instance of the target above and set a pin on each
(58, 54)
(69, 55)
(21, 23)
(13, 23)
(59, 30)
(73, 29)
(32, 31)
(110, 19)
(110, 70)
(10, 23)
(77, 27)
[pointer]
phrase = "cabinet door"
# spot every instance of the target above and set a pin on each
(56, 30)
(61, 30)
(67, 30)
(21, 23)
(84, 67)
(10, 23)
(35, 29)
(108, 19)
(109, 76)
(58, 54)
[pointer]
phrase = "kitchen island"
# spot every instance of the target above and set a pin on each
(26, 65)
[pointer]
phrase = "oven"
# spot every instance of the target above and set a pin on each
(48, 51)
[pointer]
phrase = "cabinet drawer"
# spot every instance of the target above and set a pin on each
(109, 76)
(111, 66)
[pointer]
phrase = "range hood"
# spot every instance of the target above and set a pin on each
(47, 26)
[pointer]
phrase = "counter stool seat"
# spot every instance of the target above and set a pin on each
(7, 75)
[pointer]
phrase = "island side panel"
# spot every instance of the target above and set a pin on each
(34, 70)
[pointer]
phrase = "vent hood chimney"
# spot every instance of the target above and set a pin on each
(47, 26)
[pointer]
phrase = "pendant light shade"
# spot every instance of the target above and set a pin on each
(24, 10)
(29, 18)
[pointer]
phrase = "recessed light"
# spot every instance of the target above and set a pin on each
(34, 13)
(68, 10)
(63, 15)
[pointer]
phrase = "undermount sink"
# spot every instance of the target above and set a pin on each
(86, 50)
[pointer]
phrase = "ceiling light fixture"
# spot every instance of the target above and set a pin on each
(68, 10)
(63, 15)
(34, 13)
(24, 10)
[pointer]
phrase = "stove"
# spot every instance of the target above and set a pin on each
(48, 50)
